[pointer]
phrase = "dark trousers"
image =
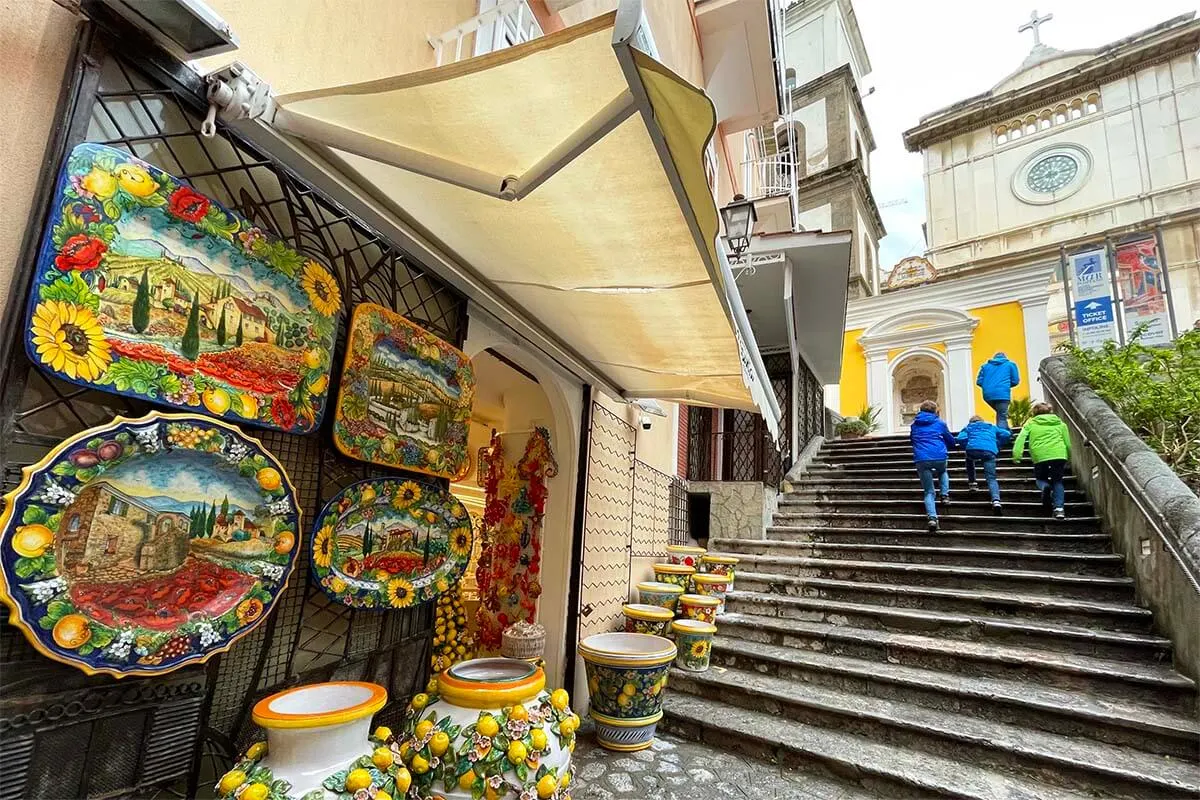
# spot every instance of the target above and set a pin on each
(1049, 477)
(1001, 409)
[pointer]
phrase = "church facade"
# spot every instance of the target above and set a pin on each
(1081, 152)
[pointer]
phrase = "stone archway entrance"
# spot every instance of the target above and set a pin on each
(915, 379)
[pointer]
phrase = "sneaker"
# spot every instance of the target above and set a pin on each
(944, 500)
(997, 509)
(1060, 515)
(933, 525)
(973, 487)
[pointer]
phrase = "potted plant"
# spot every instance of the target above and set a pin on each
(1019, 411)
(856, 427)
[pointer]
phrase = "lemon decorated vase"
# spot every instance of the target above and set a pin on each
(640, 618)
(693, 637)
(627, 679)
(686, 555)
(654, 593)
(716, 564)
(713, 585)
(678, 574)
(489, 728)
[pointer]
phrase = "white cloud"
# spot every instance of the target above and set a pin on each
(931, 53)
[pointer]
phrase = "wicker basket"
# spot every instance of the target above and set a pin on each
(523, 640)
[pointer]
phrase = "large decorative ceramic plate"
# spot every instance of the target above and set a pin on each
(149, 289)
(405, 398)
(147, 544)
(390, 543)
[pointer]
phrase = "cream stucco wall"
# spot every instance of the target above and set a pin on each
(817, 40)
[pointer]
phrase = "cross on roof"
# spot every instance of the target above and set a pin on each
(1034, 23)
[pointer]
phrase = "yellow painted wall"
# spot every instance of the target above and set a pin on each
(853, 386)
(1001, 329)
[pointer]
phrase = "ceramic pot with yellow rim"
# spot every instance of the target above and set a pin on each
(713, 585)
(684, 554)
(627, 678)
(698, 606)
(655, 593)
(642, 618)
(694, 640)
(678, 574)
(491, 714)
(716, 564)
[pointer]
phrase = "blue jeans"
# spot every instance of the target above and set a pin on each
(1001, 409)
(931, 471)
(1049, 477)
(988, 461)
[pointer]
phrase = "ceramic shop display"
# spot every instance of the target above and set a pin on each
(677, 574)
(146, 288)
(698, 606)
(627, 676)
(390, 543)
(143, 545)
(693, 637)
(685, 554)
(655, 593)
(453, 640)
(641, 618)
(713, 585)
(405, 398)
(489, 724)
(318, 747)
(718, 564)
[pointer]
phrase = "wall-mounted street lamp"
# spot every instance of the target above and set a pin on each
(739, 217)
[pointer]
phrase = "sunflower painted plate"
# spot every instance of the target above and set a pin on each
(390, 543)
(147, 288)
(144, 545)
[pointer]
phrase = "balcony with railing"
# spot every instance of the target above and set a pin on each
(499, 24)
(769, 176)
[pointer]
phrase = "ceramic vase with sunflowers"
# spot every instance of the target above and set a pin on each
(693, 637)
(488, 728)
(627, 679)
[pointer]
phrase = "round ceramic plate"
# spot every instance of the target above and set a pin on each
(390, 543)
(147, 544)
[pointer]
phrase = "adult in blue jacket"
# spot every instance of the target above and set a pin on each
(931, 440)
(983, 441)
(996, 378)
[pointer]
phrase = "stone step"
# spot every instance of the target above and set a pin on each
(1070, 713)
(905, 490)
(955, 457)
(877, 469)
(991, 579)
(1074, 563)
(961, 502)
(948, 520)
(904, 479)
(1076, 764)
(1059, 629)
(1076, 542)
(890, 771)
(967, 647)
(876, 440)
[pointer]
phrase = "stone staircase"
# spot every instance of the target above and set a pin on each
(1001, 658)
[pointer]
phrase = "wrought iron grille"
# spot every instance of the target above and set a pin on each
(64, 735)
(810, 406)
(659, 511)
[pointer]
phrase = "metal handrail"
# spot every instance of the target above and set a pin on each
(769, 176)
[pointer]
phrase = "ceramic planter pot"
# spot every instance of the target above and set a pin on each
(641, 618)
(711, 585)
(678, 574)
(718, 564)
(698, 607)
(494, 712)
(684, 554)
(694, 640)
(627, 676)
(654, 593)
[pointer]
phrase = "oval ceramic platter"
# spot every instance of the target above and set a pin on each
(147, 288)
(390, 543)
(147, 544)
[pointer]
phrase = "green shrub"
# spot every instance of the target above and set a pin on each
(1155, 390)
(1019, 411)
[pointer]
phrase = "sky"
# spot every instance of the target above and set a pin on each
(927, 54)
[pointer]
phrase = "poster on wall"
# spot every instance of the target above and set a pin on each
(1140, 272)
(1095, 314)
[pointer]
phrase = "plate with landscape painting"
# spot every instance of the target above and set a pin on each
(147, 544)
(405, 398)
(149, 289)
(390, 543)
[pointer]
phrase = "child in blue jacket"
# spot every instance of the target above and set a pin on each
(931, 440)
(983, 441)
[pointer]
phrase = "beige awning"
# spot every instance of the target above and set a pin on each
(567, 172)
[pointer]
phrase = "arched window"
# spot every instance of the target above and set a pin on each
(1060, 115)
(1092, 103)
(1002, 134)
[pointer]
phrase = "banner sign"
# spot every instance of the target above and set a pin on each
(1095, 317)
(1140, 271)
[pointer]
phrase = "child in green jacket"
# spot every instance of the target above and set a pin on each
(1049, 448)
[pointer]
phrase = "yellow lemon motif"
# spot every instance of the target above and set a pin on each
(566, 727)
(432, 686)
(560, 699)
(216, 400)
(312, 358)
(357, 779)
(318, 386)
(249, 405)
(382, 796)
(623, 700)
(72, 631)
(100, 183)
(547, 786)
(419, 701)
(517, 752)
(367, 497)
(31, 541)
(466, 780)
(423, 728)
(405, 751)
(420, 765)
(403, 780)
(382, 758)
(135, 180)
(269, 478)
(439, 743)
(255, 791)
(539, 739)
(256, 750)
(518, 712)
(488, 726)
(566, 779)
(230, 781)
(629, 689)
(383, 733)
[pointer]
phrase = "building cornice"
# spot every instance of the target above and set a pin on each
(850, 173)
(1177, 36)
(843, 76)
